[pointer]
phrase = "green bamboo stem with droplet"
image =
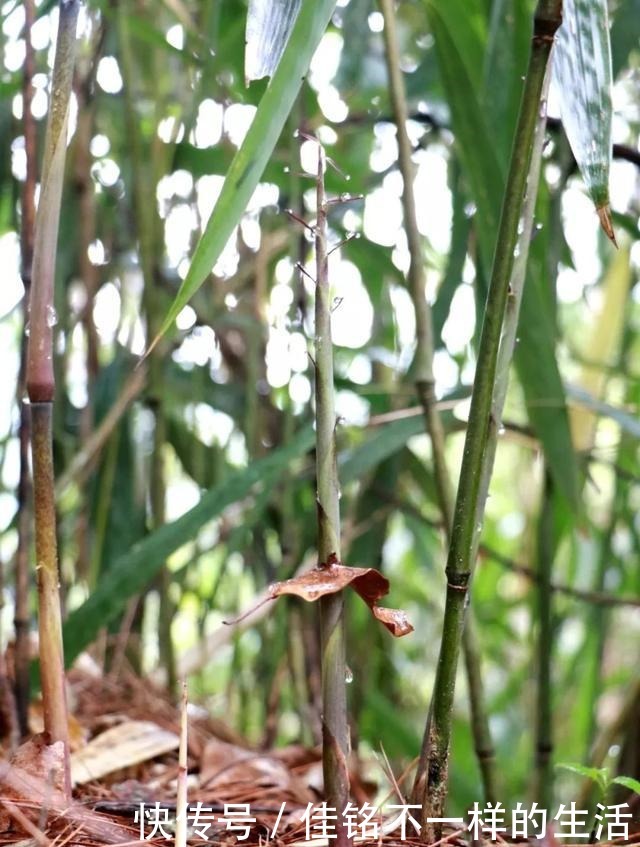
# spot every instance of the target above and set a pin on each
(436, 746)
(40, 383)
(425, 385)
(335, 727)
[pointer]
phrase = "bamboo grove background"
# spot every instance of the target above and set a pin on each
(185, 484)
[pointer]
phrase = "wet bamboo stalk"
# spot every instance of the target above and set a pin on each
(22, 617)
(335, 728)
(425, 386)
(41, 384)
(547, 19)
(512, 313)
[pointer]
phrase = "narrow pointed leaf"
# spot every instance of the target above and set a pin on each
(459, 36)
(251, 159)
(627, 782)
(582, 71)
(269, 24)
(134, 570)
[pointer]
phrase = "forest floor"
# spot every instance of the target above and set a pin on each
(125, 736)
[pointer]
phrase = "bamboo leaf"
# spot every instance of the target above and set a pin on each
(628, 782)
(598, 775)
(457, 37)
(133, 571)
(601, 345)
(252, 157)
(269, 24)
(392, 438)
(627, 421)
(582, 71)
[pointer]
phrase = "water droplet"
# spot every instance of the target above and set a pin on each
(470, 210)
(539, 226)
(501, 429)
(479, 526)
(516, 251)
(286, 169)
(345, 197)
(348, 675)
(52, 316)
(518, 339)
(27, 329)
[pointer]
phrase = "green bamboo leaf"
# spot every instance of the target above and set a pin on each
(252, 157)
(391, 438)
(628, 782)
(460, 227)
(269, 24)
(582, 70)
(458, 36)
(598, 775)
(627, 421)
(625, 33)
(134, 570)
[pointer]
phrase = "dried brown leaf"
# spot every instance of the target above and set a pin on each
(369, 583)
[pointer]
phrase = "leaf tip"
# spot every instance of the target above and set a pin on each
(604, 213)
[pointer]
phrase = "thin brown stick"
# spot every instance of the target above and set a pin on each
(83, 460)
(22, 820)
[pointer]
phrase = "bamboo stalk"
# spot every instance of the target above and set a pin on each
(143, 172)
(89, 273)
(335, 728)
(425, 386)
(22, 617)
(41, 384)
(543, 776)
(465, 521)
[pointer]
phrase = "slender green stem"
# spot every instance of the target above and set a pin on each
(544, 712)
(335, 728)
(425, 387)
(512, 313)
(144, 156)
(465, 519)
(423, 363)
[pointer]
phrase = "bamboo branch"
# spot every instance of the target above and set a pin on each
(83, 461)
(335, 729)
(425, 386)
(460, 558)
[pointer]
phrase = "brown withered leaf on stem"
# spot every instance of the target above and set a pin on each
(369, 583)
